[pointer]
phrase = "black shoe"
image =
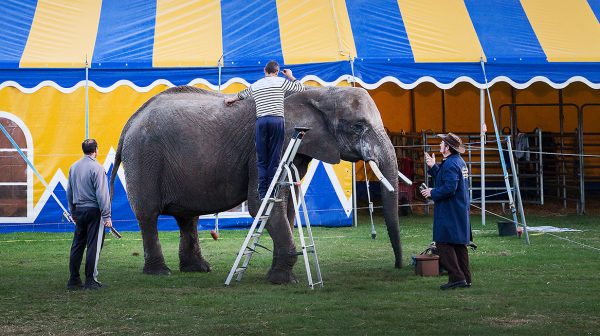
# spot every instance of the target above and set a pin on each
(455, 284)
(74, 284)
(93, 285)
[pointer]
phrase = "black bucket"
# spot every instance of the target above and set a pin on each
(507, 229)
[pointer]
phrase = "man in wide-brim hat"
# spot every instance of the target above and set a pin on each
(451, 226)
(453, 141)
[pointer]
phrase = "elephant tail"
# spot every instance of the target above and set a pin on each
(116, 165)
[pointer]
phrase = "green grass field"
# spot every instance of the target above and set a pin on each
(551, 287)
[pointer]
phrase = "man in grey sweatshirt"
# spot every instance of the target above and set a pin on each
(89, 203)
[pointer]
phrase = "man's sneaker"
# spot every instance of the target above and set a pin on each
(92, 285)
(455, 284)
(74, 284)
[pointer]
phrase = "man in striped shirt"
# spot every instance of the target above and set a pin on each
(268, 94)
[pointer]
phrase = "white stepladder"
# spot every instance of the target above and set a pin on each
(291, 179)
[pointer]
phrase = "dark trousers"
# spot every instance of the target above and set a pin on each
(270, 132)
(455, 259)
(89, 232)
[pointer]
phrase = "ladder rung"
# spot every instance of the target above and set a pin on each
(240, 269)
(256, 234)
(262, 218)
(262, 246)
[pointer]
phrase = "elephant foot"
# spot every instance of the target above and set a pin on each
(281, 271)
(197, 265)
(154, 270)
(281, 276)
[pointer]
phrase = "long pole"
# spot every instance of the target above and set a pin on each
(511, 202)
(354, 210)
(517, 190)
(220, 65)
(482, 158)
(87, 101)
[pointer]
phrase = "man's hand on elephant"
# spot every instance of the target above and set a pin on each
(426, 192)
(230, 100)
(288, 73)
(429, 159)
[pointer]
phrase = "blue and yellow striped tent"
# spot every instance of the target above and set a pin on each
(405, 41)
(131, 50)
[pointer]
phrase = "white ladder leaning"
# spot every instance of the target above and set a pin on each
(291, 178)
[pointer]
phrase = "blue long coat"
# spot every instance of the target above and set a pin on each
(451, 196)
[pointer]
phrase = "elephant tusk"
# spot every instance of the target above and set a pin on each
(380, 176)
(404, 178)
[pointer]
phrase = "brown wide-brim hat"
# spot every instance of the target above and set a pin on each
(453, 141)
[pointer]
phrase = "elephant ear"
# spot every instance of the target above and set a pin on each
(306, 109)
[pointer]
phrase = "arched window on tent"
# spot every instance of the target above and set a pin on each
(16, 178)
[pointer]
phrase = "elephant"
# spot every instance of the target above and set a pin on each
(186, 153)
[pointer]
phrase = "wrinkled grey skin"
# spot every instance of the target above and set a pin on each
(186, 154)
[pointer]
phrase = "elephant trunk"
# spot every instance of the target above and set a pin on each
(386, 170)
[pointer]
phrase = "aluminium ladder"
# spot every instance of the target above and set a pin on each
(290, 178)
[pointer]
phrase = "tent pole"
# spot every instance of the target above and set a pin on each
(354, 209)
(220, 65)
(87, 101)
(413, 116)
(482, 153)
(443, 110)
(511, 202)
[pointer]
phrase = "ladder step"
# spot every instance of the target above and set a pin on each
(262, 218)
(256, 234)
(262, 246)
(290, 183)
(240, 269)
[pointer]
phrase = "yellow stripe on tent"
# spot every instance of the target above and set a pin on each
(568, 31)
(440, 31)
(62, 34)
(187, 33)
(309, 34)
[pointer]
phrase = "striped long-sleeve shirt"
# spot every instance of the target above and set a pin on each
(268, 94)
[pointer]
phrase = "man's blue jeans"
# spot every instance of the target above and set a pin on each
(270, 133)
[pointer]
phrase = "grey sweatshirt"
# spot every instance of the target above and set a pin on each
(88, 186)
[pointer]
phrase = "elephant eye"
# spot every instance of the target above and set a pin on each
(358, 128)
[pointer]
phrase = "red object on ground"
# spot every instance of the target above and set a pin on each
(214, 234)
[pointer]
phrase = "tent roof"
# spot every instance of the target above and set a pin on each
(138, 42)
